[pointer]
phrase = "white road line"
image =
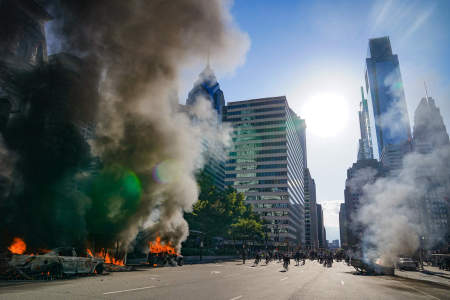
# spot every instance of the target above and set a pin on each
(215, 272)
(130, 290)
(284, 278)
(236, 298)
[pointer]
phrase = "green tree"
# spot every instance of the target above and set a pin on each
(247, 229)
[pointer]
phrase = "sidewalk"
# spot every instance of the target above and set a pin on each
(432, 274)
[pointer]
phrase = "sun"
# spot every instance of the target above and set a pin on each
(326, 114)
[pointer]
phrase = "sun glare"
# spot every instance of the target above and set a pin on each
(326, 114)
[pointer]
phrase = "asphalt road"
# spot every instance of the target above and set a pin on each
(231, 281)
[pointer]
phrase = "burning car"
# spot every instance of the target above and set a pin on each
(371, 267)
(56, 263)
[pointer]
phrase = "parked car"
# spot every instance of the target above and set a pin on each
(406, 263)
(56, 263)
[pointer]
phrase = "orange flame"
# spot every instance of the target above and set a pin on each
(18, 246)
(109, 259)
(157, 247)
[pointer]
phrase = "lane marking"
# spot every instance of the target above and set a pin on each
(215, 272)
(342, 282)
(236, 298)
(130, 290)
(284, 278)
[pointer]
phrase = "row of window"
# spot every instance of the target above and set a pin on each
(254, 160)
(270, 205)
(256, 167)
(267, 198)
(251, 118)
(261, 103)
(263, 190)
(259, 145)
(258, 138)
(252, 111)
(256, 152)
(278, 213)
(264, 123)
(260, 130)
(262, 174)
(251, 182)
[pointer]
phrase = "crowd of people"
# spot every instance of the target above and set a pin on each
(324, 257)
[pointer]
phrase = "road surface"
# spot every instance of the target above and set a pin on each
(231, 281)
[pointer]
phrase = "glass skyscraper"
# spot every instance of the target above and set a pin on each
(365, 150)
(384, 87)
(266, 163)
(208, 88)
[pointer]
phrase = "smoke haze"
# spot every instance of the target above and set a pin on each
(145, 150)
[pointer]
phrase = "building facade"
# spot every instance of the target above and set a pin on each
(321, 232)
(343, 226)
(430, 134)
(384, 87)
(365, 149)
(361, 173)
(206, 87)
(311, 234)
(266, 164)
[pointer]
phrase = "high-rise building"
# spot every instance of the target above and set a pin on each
(361, 173)
(321, 232)
(206, 87)
(365, 150)
(266, 164)
(384, 87)
(343, 226)
(430, 135)
(311, 234)
(429, 128)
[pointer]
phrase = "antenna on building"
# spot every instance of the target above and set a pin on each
(426, 89)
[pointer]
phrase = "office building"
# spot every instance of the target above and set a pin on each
(361, 173)
(206, 87)
(321, 232)
(365, 149)
(311, 234)
(384, 87)
(430, 135)
(266, 164)
(343, 226)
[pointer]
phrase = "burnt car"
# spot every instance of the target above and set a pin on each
(57, 263)
(406, 263)
(371, 267)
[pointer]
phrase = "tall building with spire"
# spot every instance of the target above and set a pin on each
(384, 87)
(431, 135)
(206, 87)
(365, 150)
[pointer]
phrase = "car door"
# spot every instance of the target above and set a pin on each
(69, 261)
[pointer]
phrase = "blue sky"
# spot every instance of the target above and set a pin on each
(302, 49)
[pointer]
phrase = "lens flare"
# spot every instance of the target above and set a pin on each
(165, 172)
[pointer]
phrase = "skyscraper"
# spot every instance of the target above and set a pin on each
(311, 234)
(429, 128)
(266, 163)
(365, 150)
(321, 232)
(343, 226)
(206, 87)
(384, 87)
(431, 135)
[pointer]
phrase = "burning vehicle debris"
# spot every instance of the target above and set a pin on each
(75, 175)
(56, 263)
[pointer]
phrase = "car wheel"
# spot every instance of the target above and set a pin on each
(99, 269)
(180, 262)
